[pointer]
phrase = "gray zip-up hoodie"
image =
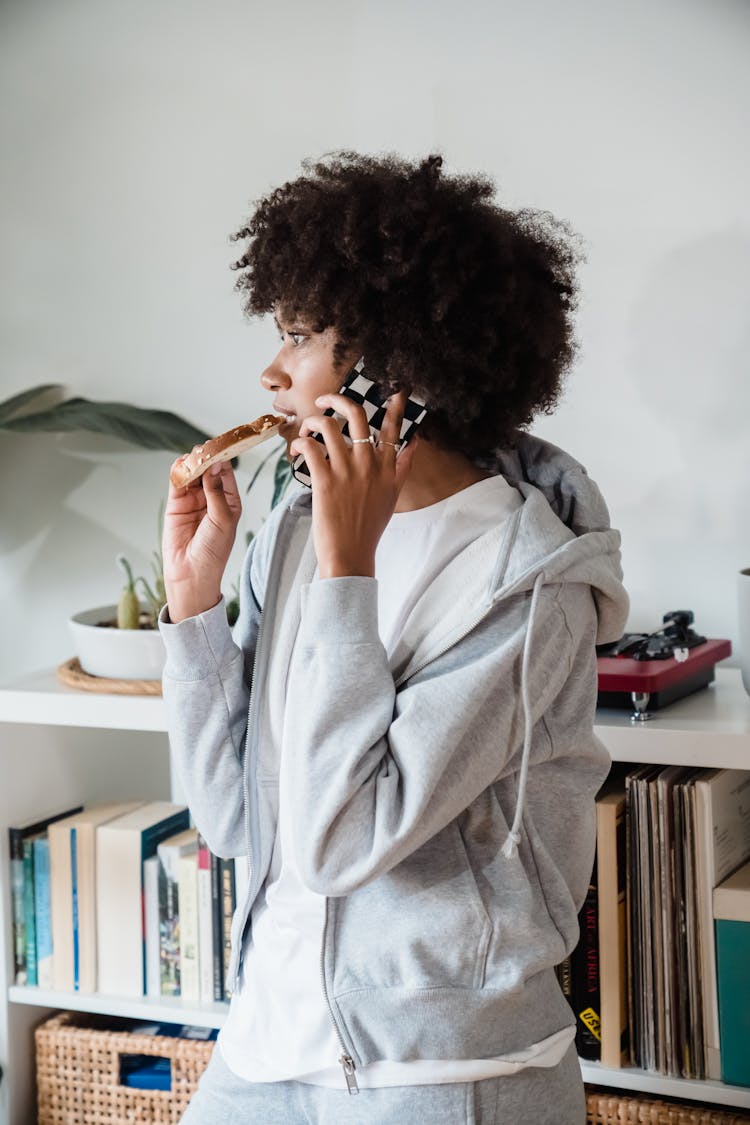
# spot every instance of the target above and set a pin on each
(444, 799)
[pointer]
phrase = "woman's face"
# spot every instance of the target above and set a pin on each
(302, 369)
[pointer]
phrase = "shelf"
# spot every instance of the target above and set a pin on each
(164, 1009)
(43, 699)
(677, 734)
(647, 1082)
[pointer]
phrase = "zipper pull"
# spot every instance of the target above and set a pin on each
(347, 1063)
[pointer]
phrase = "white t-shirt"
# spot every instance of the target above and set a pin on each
(279, 1026)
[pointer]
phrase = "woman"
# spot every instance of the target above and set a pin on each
(399, 736)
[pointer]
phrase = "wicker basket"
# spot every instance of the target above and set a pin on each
(78, 1073)
(614, 1107)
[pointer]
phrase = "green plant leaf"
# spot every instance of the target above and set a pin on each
(13, 405)
(149, 429)
(259, 470)
(281, 478)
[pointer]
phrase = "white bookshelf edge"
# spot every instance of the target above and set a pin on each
(648, 1082)
(162, 1009)
(44, 699)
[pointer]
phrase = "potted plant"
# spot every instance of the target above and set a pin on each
(121, 641)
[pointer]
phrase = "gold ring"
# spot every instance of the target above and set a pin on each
(392, 443)
(363, 440)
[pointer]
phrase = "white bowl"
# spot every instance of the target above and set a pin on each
(116, 654)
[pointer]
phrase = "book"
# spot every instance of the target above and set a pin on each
(169, 852)
(228, 900)
(722, 844)
(639, 912)
(610, 867)
(564, 979)
(43, 921)
(671, 1053)
(731, 907)
(658, 889)
(695, 984)
(688, 1002)
(16, 835)
(205, 924)
(217, 920)
(584, 965)
(187, 882)
(29, 910)
(72, 883)
(122, 846)
(151, 924)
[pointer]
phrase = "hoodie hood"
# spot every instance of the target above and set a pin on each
(563, 531)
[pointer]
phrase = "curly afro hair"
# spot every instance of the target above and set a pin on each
(444, 292)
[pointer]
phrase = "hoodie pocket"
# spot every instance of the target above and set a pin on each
(422, 925)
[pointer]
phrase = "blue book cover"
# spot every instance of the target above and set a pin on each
(43, 912)
(19, 927)
(29, 911)
(74, 891)
(21, 903)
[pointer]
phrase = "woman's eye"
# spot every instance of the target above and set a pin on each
(296, 338)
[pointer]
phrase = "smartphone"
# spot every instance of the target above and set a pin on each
(360, 387)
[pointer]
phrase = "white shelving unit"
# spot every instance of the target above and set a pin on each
(59, 745)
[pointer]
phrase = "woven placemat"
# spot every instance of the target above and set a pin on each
(72, 674)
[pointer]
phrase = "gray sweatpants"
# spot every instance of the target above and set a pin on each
(544, 1096)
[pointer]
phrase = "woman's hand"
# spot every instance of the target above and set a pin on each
(355, 489)
(200, 523)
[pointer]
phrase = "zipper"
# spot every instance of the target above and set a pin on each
(435, 654)
(345, 1060)
(245, 765)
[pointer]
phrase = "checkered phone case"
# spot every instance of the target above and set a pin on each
(362, 389)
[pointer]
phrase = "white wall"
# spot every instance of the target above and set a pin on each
(136, 135)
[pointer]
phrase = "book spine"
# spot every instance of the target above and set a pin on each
(205, 925)
(585, 980)
(74, 896)
(29, 914)
(565, 980)
(169, 934)
(16, 890)
(610, 874)
(150, 840)
(217, 925)
(43, 912)
(229, 902)
(189, 956)
(151, 909)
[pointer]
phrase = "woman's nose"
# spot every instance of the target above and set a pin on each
(274, 377)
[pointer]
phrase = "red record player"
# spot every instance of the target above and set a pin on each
(646, 671)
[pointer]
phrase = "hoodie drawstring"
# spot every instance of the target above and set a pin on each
(514, 835)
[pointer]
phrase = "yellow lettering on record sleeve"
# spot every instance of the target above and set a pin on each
(591, 1019)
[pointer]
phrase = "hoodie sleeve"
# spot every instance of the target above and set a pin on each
(375, 771)
(206, 687)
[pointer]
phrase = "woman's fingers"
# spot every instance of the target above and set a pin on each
(223, 501)
(314, 455)
(390, 431)
(340, 451)
(329, 428)
(359, 429)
